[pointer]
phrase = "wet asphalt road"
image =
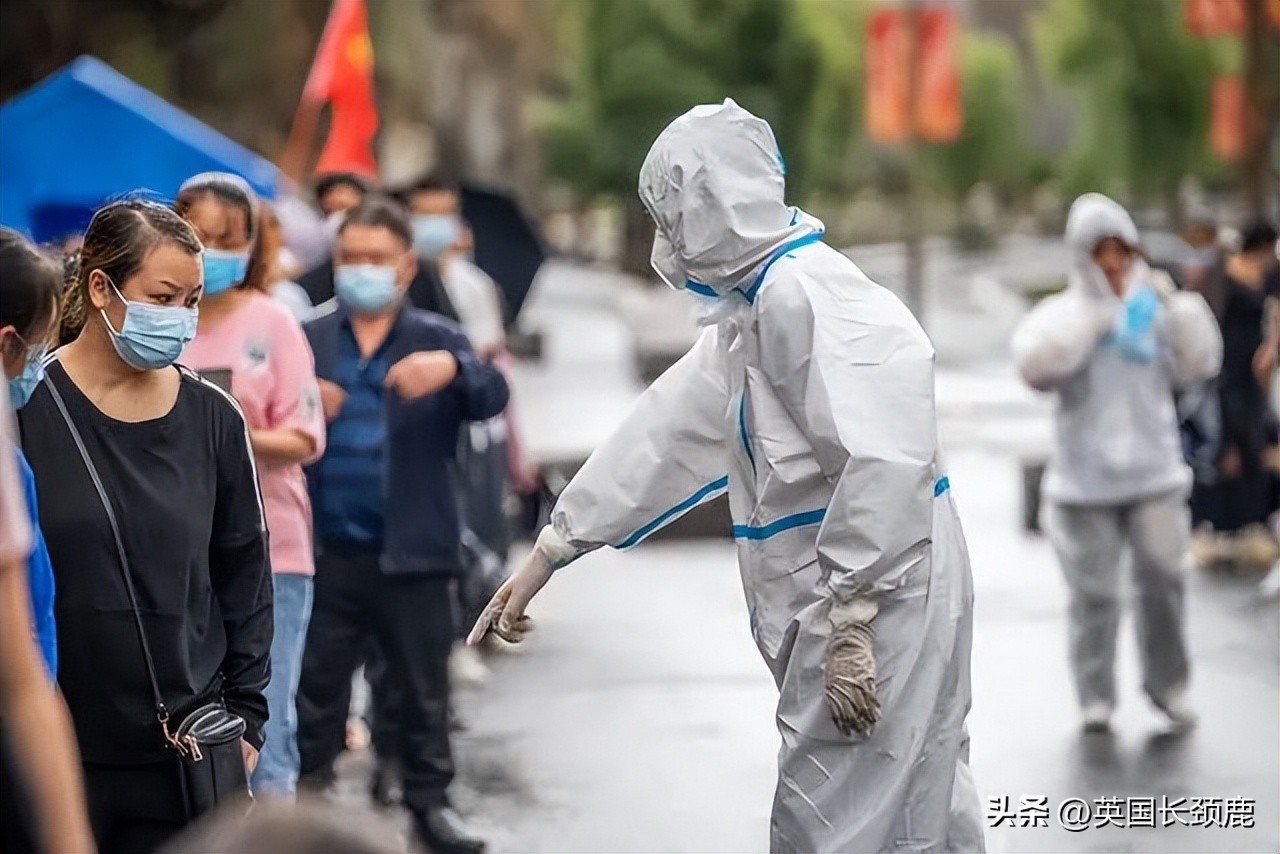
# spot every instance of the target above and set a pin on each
(638, 716)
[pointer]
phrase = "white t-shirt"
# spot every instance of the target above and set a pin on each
(476, 298)
(293, 297)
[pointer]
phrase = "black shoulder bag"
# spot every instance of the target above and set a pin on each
(208, 739)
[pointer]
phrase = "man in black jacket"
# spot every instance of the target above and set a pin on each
(397, 384)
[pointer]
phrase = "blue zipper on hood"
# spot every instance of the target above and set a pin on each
(703, 290)
(750, 293)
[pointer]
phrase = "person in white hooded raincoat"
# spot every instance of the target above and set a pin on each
(809, 397)
(1114, 347)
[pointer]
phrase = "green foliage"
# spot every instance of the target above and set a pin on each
(1143, 86)
(797, 63)
(643, 62)
(835, 154)
(992, 147)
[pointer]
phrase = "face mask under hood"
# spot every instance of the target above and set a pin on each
(714, 184)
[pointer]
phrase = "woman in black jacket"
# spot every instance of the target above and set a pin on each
(1243, 495)
(172, 453)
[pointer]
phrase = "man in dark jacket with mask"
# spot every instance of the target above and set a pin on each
(397, 384)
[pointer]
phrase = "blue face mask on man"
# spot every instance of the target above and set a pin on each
(434, 233)
(152, 336)
(366, 288)
(223, 269)
(24, 384)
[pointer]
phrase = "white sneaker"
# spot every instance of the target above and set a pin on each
(1177, 710)
(1269, 586)
(1255, 546)
(1204, 547)
(466, 667)
(1096, 717)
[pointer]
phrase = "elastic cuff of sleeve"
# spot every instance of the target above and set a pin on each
(554, 548)
(465, 367)
(253, 733)
(855, 610)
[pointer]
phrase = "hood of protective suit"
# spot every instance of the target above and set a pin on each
(714, 184)
(1093, 218)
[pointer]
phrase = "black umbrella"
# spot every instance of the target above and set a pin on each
(507, 246)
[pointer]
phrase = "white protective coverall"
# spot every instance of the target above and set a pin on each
(1117, 477)
(811, 401)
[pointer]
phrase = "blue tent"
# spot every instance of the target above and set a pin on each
(87, 134)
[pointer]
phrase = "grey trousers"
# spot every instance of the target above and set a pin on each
(1090, 542)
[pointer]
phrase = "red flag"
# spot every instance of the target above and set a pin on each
(886, 76)
(939, 113)
(1226, 117)
(342, 76)
(1209, 18)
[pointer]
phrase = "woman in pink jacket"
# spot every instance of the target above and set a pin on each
(251, 345)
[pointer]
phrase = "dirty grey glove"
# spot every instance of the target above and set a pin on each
(504, 615)
(849, 668)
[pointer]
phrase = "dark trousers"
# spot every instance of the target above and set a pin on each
(134, 809)
(412, 619)
(385, 699)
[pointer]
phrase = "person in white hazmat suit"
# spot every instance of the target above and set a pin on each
(809, 398)
(1114, 347)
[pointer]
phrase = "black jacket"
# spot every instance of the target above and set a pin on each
(421, 527)
(185, 493)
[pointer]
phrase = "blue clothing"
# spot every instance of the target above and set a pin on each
(421, 531)
(39, 576)
(277, 769)
(349, 509)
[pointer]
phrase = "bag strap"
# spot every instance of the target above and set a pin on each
(162, 713)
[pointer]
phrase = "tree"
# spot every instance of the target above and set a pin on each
(480, 60)
(643, 62)
(40, 36)
(834, 156)
(236, 64)
(992, 146)
(1143, 83)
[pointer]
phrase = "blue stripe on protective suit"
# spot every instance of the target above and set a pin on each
(810, 517)
(704, 290)
(816, 237)
(742, 430)
(688, 504)
(700, 289)
(786, 523)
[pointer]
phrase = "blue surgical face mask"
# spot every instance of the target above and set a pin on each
(223, 269)
(21, 386)
(434, 233)
(366, 288)
(152, 336)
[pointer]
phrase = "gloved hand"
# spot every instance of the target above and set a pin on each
(505, 612)
(1140, 310)
(849, 668)
(1134, 331)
